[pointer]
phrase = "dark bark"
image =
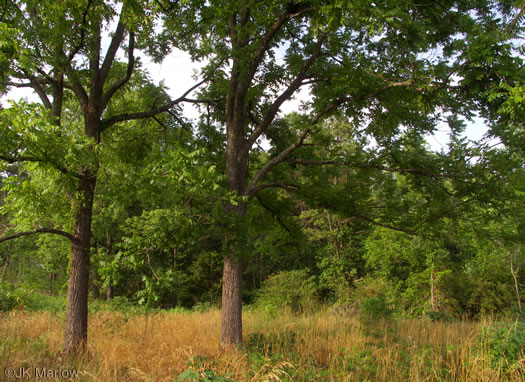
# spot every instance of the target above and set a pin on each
(39, 230)
(236, 169)
(95, 290)
(231, 330)
(75, 338)
(109, 292)
(6, 264)
(109, 250)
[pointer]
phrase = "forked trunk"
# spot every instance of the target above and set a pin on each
(75, 338)
(231, 331)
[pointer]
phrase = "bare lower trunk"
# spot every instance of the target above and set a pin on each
(433, 304)
(231, 331)
(6, 264)
(109, 292)
(109, 250)
(75, 337)
(516, 283)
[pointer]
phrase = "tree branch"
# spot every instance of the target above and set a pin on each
(41, 230)
(37, 87)
(112, 49)
(314, 162)
(379, 224)
(239, 88)
(285, 95)
(129, 71)
(285, 186)
(34, 83)
(342, 100)
(76, 86)
(146, 114)
(416, 171)
(264, 44)
(40, 160)
(74, 52)
(266, 207)
(275, 161)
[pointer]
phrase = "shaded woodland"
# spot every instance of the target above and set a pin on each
(112, 192)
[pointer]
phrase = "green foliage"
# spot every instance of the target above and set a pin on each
(378, 205)
(362, 361)
(374, 308)
(118, 304)
(202, 307)
(295, 291)
(26, 298)
(273, 344)
(338, 250)
(199, 371)
(8, 299)
(488, 280)
(505, 344)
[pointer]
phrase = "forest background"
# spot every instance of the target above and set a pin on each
(113, 192)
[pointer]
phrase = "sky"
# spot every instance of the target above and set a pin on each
(177, 71)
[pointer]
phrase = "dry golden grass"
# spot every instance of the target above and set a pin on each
(320, 347)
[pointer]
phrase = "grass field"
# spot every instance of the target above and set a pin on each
(177, 346)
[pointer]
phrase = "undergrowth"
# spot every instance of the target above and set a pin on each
(183, 346)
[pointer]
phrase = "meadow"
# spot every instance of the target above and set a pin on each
(183, 345)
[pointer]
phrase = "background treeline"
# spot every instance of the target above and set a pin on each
(109, 187)
(402, 241)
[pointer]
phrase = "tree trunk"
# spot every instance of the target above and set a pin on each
(231, 312)
(6, 264)
(109, 250)
(236, 170)
(75, 338)
(96, 291)
(109, 292)
(231, 331)
(433, 304)
(515, 277)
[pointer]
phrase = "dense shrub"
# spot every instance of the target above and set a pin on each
(505, 343)
(7, 298)
(26, 298)
(295, 291)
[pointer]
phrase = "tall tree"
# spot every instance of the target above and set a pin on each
(63, 52)
(391, 68)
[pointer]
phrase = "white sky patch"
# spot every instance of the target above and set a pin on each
(178, 73)
(475, 131)
(295, 104)
(17, 94)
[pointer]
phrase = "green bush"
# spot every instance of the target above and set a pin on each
(505, 343)
(373, 308)
(7, 298)
(26, 298)
(39, 302)
(294, 291)
(120, 304)
(202, 306)
(199, 370)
